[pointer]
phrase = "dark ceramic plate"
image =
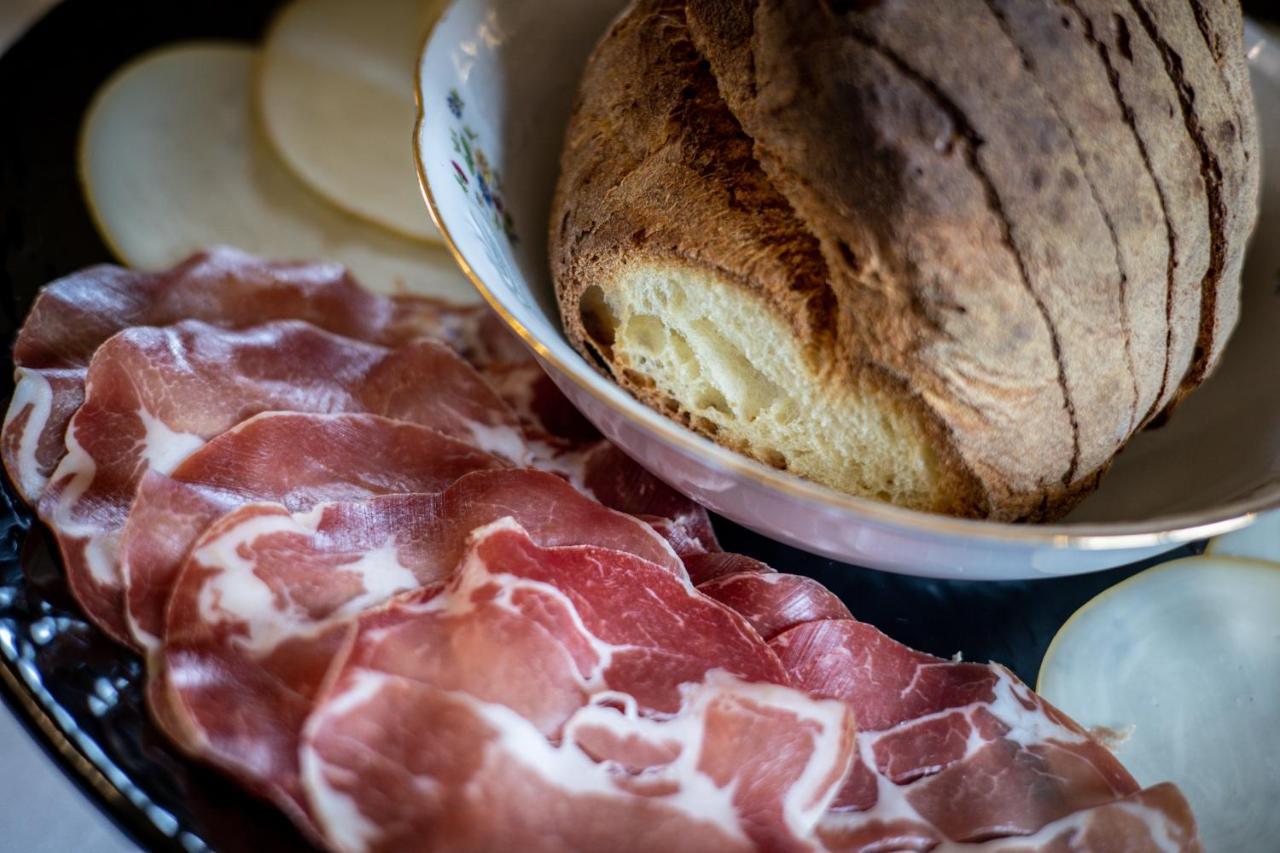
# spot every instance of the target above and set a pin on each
(79, 693)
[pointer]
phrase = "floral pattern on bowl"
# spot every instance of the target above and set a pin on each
(487, 191)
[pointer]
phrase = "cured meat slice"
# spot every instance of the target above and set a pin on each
(774, 602)
(1155, 820)
(528, 390)
(565, 698)
(947, 752)
(72, 316)
(35, 424)
(486, 342)
(296, 460)
(564, 441)
(154, 395)
(771, 601)
(716, 564)
(482, 338)
(261, 606)
(443, 770)
(619, 482)
(170, 512)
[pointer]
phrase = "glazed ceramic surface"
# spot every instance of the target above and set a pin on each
(496, 83)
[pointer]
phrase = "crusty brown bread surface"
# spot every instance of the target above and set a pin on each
(948, 255)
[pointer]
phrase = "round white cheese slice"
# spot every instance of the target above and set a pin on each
(1181, 665)
(335, 88)
(172, 161)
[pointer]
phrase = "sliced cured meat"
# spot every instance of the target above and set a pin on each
(260, 608)
(550, 510)
(72, 316)
(296, 460)
(528, 390)
(396, 764)
(716, 564)
(170, 512)
(565, 698)
(565, 442)
(773, 602)
(1155, 820)
(619, 482)
(154, 395)
(35, 424)
(482, 338)
(257, 617)
(689, 530)
(602, 591)
(953, 752)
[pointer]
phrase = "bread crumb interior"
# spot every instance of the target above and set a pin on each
(723, 363)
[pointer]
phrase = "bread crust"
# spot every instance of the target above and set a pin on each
(1223, 131)
(1054, 50)
(932, 217)
(657, 171)
(1149, 100)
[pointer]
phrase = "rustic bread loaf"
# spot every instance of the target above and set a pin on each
(949, 255)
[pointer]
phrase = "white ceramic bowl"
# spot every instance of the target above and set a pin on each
(496, 83)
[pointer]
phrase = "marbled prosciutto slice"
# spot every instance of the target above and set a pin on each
(566, 698)
(531, 393)
(72, 316)
(261, 606)
(564, 441)
(154, 395)
(955, 753)
(616, 480)
(773, 602)
(295, 459)
(483, 339)
(356, 605)
(708, 566)
(1154, 820)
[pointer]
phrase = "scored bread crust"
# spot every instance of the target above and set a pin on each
(942, 231)
(657, 174)
(1223, 129)
(1149, 100)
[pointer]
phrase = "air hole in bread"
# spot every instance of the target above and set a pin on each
(598, 320)
(773, 457)
(684, 354)
(706, 427)
(711, 398)
(647, 333)
(751, 391)
(639, 379)
(601, 362)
